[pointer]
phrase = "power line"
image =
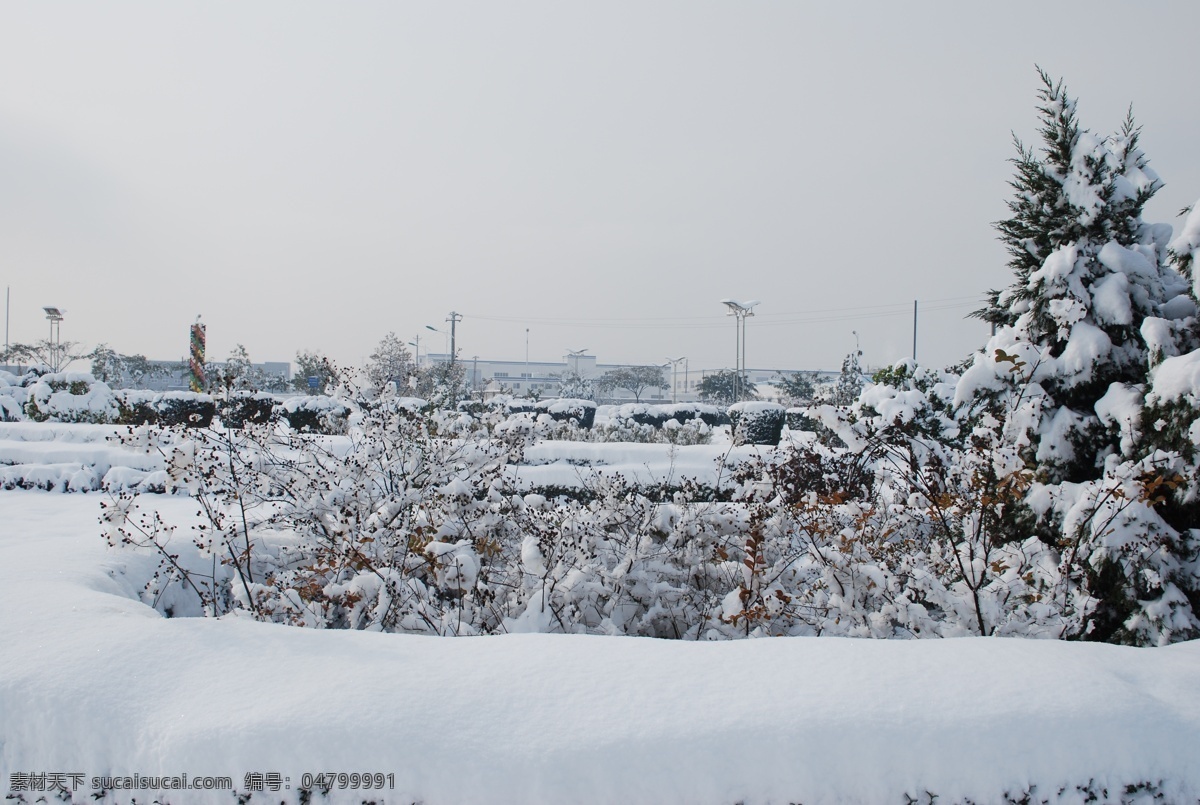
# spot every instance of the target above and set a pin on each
(765, 319)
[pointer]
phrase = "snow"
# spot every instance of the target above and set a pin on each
(1117, 258)
(1178, 377)
(1121, 406)
(564, 405)
(1160, 336)
(1188, 244)
(755, 407)
(562, 464)
(92, 680)
(315, 402)
(1110, 300)
(1180, 307)
(75, 457)
(1085, 349)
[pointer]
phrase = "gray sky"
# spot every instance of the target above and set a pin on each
(311, 176)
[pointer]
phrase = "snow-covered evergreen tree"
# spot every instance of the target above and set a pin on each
(1094, 306)
(849, 383)
(1089, 272)
(391, 362)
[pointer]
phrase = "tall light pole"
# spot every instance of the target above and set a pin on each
(674, 363)
(55, 316)
(740, 311)
(416, 344)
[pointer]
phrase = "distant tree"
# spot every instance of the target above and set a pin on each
(635, 379)
(108, 365)
(238, 372)
(849, 383)
(57, 356)
(391, 362)
(574, 386)
(797, 387)
(312, 364)
(126, 371)
(137, 369)
(442, 384)
(721, 388)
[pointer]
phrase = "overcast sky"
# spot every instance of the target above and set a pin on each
(311, 176)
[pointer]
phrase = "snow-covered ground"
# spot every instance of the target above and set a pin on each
(94, 682)
(85, 457)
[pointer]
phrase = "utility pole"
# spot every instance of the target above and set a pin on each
(453, 318)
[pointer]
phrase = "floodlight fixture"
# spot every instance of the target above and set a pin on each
(54, 313)
(737, 308)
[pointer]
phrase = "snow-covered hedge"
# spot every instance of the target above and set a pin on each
(71, 397)
(186, 408)
(757, 422)
(73, 458)
(315, 413)
(13, 395)
(581, 413)
(238, 408)
(683, 413)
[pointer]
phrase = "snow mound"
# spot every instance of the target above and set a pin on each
(93, 681)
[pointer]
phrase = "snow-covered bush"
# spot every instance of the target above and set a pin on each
(797, 420)
(238, 408)
(582, 421)
(409, 523)
(13, 395)
(136, 406)
(186, 408)
(581, 413)
(315, 413)
(684, 413)
(71, 397)
(757, 422)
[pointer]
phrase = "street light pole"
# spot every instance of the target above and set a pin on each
(55, 317)
(675, 378)
(740, 311)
